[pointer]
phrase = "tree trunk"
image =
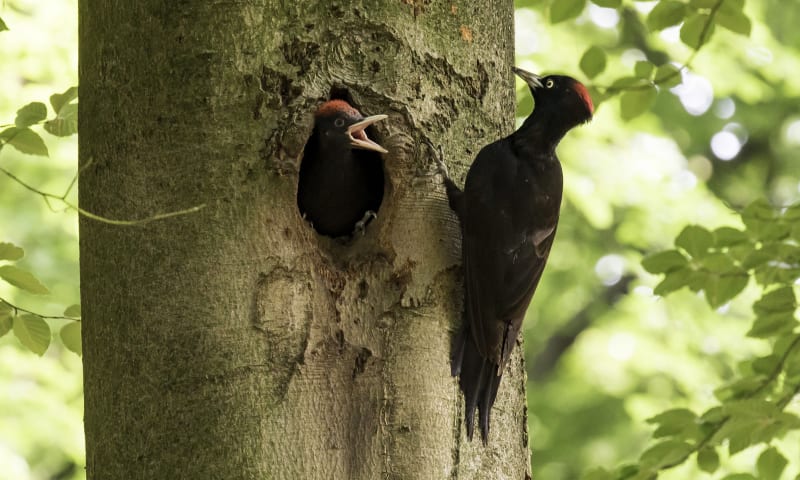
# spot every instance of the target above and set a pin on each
(235, 342)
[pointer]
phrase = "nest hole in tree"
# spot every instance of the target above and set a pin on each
(340, 190)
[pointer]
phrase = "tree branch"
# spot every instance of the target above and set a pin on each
(781, 404)
(24, 310)
(71, 206)
(704, 36)
(558, 343)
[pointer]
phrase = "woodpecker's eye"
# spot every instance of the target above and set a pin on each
(549, 84)
(339, 122)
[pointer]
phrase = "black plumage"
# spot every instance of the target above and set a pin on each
(509, 212)
(341, 176)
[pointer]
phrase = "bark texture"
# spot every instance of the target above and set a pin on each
(236, 342)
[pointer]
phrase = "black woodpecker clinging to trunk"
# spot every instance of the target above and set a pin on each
(508, 212)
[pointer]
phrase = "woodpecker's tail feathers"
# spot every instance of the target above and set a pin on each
(479, 380)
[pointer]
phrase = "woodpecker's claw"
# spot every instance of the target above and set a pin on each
(441, 168)
(361, 225)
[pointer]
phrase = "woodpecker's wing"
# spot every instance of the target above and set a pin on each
(504, 251)
(520, 281)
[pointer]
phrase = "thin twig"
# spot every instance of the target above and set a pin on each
(25, 310)
(781, 404)
(686, 65)
(71, 206)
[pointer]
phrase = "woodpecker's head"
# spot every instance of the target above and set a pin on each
(341, 125)
(562, 97)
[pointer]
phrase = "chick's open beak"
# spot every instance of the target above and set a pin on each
(358, 135)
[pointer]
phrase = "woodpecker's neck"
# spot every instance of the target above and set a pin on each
(540, 133)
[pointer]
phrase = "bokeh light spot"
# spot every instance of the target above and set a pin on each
(695, 93)
(725, 145)
(603, 17)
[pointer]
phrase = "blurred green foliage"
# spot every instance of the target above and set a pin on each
(605, 351)
(41, 402)
(709, 371)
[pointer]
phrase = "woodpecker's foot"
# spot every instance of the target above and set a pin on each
(361, 225)
(441, 168)
(309, 222)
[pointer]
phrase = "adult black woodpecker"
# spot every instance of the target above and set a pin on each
(341, 175)
(509, 211)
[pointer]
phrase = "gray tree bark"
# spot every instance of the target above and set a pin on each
(235, 342)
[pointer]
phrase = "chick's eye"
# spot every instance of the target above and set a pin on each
(549, 84)
(339, 122)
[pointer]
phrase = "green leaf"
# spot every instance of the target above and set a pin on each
(32, 332)
(3, 26)
(765, 365)
(65, 123)
(665, 453)
(713, 415)
(6, 319)
(698, 280)
(627, 471)
(702, 3)
(727, 237)
(792, 212)
(624, 83)
(593, 61)
(663, 262)
(668, 76)
(756, 258)
(25, 140)
(58, 100)
(696, 30)
(753, 421)
(708, 459)
(739, 476)
(9, 251)
(732, 5)
(778, 300)
(666, 14)
(674, 280)
(598, 473)
(736, 21)
(695, 239)
(608, 3)
(721, 288)
(73, 311)
(22, 279)
(643, 69)
(31, 114)
(675, 415)
(635, 102)
(719, 263)
(792, 363)
(561, 10)
(739, 388)
(771, 464)
(71, 336)
(758, 213)
(676, 422)
(776, 230)
(772, 325)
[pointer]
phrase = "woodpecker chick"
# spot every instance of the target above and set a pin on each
(341, 176)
